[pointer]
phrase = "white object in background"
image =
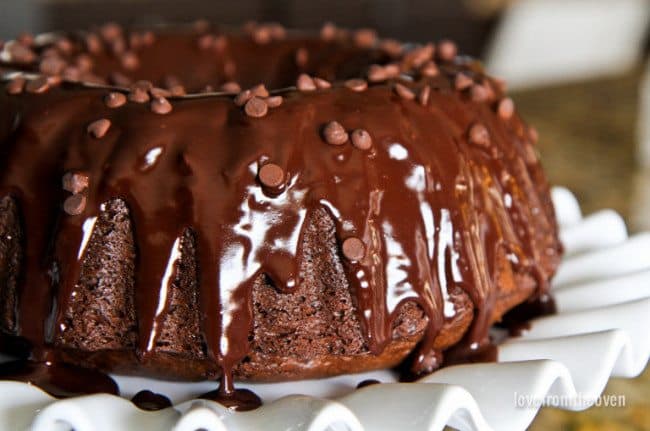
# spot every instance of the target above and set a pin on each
(643, 126)
(567, 209)
(601, 229)
(540, 42)
(600, 330)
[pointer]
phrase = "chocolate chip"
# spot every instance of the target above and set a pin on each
(52, 65)
(276, 30)
(424, 95)
(328, 31)
(256, 107)
(506, 108)
(365, 38)
(302, 57)
(135, 41)
(230, 87)
(260, 91)
(361, 139)
(392, 70)
(354, 249)
(114, 99)
(110, 31)
(404, 92)
(64, 45)
(117, 46)
(261, 35)
(71, 73)
(334, 133)
(243, 97)
(75, 204)
(16, 85)
(75, 182)
(273, 101)
(138, 95)
(447, 50)
(429, 69)
(25, 39)
(99, 128)
(462, 81)
(93, 43)
(322, 83)
(20, 53)
(177, 90)
(84, 62)
(500, 84)
(420, 55)
(129, 60)
(479, 93)
(160, 105)
(305, 83)
(377, 73)
(205, 42)
(148, 38)
(391, 47)
(479, 135)
(272, 177)
(356, 84)
(54, 80)
(38, 85)
(159, 92)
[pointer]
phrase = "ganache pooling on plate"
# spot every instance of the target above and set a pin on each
(154, 183)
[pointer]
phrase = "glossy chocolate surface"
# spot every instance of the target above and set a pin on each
(432, 207)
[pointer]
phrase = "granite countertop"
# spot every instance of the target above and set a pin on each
(588, 143)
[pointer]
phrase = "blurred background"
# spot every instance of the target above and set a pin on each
(578, 70)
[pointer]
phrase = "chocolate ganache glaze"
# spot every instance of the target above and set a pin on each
(260, 204)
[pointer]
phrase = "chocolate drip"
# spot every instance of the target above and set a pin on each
(59, 379)
(240, 400)
(368, 382)
(150, 401)
(177, 203)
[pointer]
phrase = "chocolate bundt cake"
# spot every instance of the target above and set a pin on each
(260, 204)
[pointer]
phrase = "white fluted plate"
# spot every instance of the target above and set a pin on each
(602, 293)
